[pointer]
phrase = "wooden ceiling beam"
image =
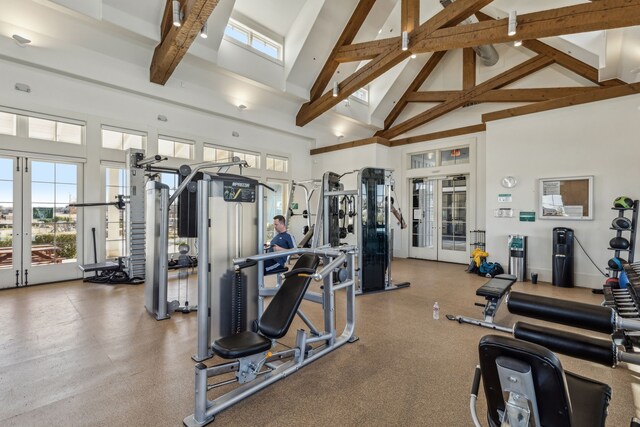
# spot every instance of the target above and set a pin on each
(565, 60)
(502, 95)
(383, 62)
(413, 87)
(583, 98)
(468, 68)
(348, 34)
(597, 15)
(503, 79)
(176, 41)
(409, 15)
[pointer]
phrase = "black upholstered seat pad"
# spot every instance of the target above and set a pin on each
(239, 345)
(497, 286)
(589, 400)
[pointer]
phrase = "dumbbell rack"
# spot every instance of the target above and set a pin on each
(632, 235)
(626, 302)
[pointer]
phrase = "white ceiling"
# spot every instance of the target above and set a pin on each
(129, 30)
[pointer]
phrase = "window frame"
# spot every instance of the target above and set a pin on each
(251, 34)
(174, 140)
(234, 152)
(277, 157)
(123, 131)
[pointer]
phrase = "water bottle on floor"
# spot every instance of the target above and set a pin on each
(436, 311)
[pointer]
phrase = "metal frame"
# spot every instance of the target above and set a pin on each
(322, 219)
(257, 371)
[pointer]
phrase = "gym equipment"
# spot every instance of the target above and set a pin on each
(621, 223)
(157, 230)
(518, 256)
(616, 263)
(370, 203)
(525, 369)
(258, 364)
(184, 262)
(494, 292)
(562, 261)
(619, 243)
(623, 202)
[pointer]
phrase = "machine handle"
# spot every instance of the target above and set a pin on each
(580, 315)
(582, 347)
(476, 381)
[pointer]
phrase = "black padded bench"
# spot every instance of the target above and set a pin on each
(494, 292)
(277, 317)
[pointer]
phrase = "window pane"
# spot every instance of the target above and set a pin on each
(66, 174)
(43, 193)
(111, 139)
(42, 171)
(7, 123)
(423, 160)
(183, 151)
(67, 132)
(208, 154)
(265, 47)
(165, 148)
(237, 34)
(42, 129)
(132, 141)
(6, 169)
(66, 194)
(454, 156)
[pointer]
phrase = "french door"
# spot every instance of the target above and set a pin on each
(39, 239)
(439, 219)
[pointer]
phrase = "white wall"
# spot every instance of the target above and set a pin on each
(99, 105)
(599, 139)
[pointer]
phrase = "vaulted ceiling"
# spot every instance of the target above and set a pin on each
(572, 52)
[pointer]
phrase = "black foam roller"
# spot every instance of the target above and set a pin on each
(582, 347)
(577, 314)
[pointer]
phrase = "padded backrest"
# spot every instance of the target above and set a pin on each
(279, 314)
(548, 376)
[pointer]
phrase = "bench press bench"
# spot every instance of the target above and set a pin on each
(494, 292)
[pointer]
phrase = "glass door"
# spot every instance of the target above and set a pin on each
(423, 219)
(453, 220)
(42, 224)
(439, 219)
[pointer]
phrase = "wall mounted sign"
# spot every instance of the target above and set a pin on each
(526, 216)
(505, 198)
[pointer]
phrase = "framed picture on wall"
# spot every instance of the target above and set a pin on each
(566, 198)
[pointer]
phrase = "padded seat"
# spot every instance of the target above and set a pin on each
(276, 319)
(496, 287)
(240, 345)
(589, 400)
(564, 399)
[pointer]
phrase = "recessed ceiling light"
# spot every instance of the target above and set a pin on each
(21, 41)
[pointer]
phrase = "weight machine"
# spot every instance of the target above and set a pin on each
(232, 322)
(368, 208)
(157, 231)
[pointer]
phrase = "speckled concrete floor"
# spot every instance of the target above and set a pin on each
(79, 354)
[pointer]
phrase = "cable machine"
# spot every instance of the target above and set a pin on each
(364, 212)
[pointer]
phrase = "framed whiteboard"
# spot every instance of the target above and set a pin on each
(566, 198)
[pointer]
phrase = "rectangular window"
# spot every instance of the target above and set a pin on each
(275, 204)
(454, 156)
(173, 148)
(114, 219)
(216, 154)
(252, 39)
(118, 139)
(8, 123)
(423, 160)
(52, 130)
(277, 164)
